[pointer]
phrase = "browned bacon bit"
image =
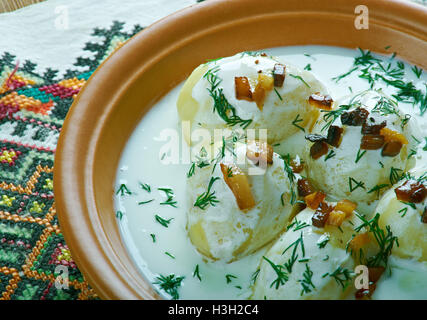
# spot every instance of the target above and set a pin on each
(321, 215)
(365, 294)
(243, 88)
(279, 74)
(297, 166)
(263, 54)
(356, 117)
(318, 149)
(424, 217)
(256, 61)
(314, 199)
(391, 149)
(304, 188)
(321, 101)
(315, 137)
(372, 142)
(334, 136)
(259, 151)
(373, 128)
(411, 191)
(375, 273)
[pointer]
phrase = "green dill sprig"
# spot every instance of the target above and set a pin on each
(254, 276)
(123, 189)
(384, 238)
(323, 241)
(359, 155)
(297, 225)
(299, 243)
(300, 79)
(164, 222)
(207, 198)
(153, 237)
(331, 115)
(396, 175)
(282, 276)
(119, 215)
(296, 121)
(170, 284)
(221, 105)
(229, 278)
(330, 155)
(291, 176)
(307, 282)
(378, 188)
(170, 197)
(341, 275)
(196, 273)
(145, 202)
(278, 94)
(145, 186)
(354, 184)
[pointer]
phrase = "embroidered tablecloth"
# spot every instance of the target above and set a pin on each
(47, 52)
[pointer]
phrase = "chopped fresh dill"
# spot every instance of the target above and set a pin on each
(170, 284)
(354, 184)
(409, 204)
(298, 225)
(229, 278)
(170, 255)
(342, 276)
(291, 176)
(306, 282)
(359, 155)
(170, 195)
(221, 105)
(207, 198)
(144, 202)
(162, 221)
(417, 71)
(403, 211)
(153, 237)
(300, 78)
(255, 276)
(331, 115)
(308, 67)
(119, 215)
(384, 238)
(395, 175)
(278, 94)
(412, 153)
(296, 121)
(331, 154)
(282, 276)
(123, 189)
(191, 171)
(145, 187)
(294, 256)
(323, 241)
(196, 273)
(378, 188)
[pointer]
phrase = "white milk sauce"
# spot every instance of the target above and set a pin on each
(141, 163)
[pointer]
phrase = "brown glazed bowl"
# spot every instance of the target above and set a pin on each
(129, 82)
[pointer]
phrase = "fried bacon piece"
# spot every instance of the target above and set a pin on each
(391, 135)
(346, 206)
(336, 218)
(265, 83)
(372, 142)
(238, 183)
(320, 101)
(391, 149)
(356, 117)
(321, 215)
(318, 149)
(279, 73)
(375, 273)
(314, 199)
(297, 165)
(373, 128)
(334, 136)
(305, 188)
(243, 88)
(411, 191)
(259, 151)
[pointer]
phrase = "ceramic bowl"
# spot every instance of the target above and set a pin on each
(131, 80)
